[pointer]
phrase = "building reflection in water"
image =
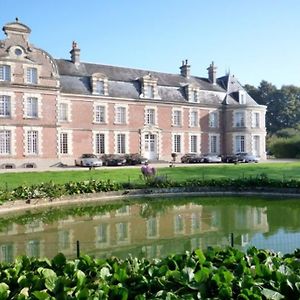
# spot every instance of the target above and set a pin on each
(173, 230)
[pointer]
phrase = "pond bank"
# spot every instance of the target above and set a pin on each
(21, 205)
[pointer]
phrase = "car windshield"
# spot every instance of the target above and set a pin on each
(89, 156)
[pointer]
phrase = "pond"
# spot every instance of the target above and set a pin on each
(152, 227)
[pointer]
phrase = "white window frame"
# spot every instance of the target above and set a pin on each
(5, 106)
(39, 105)
(9, 144)
(214, 143)
(194, 118)
(177, 117)
(239, 119)
(256, 144)
(150, 115)
(197, 149)
(31, 145)
(121, 112)
(32, 75)
(99, 87)
(96, 142)
(242, 97)
(5, 72)
(256, 119)
(123, 232)
(100, 113)
(194, 96)
(239, 143)
(213, 119)
(177, 143)
(117, 142)
(152, 228)
(69, 134)
(64, 112)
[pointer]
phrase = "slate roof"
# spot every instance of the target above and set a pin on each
(125, 83)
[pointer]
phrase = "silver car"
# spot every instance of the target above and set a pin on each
(88, 160)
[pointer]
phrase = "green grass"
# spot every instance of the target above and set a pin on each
(289, 170)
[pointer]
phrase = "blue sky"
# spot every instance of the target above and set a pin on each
(253, 39)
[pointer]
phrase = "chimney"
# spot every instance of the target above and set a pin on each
(185, 69)
(75, 54)
(212, 73)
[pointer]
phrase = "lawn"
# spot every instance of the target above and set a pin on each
(289, 170)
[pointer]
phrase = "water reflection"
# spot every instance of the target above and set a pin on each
(152, 228)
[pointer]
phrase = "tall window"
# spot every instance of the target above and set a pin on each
(256, 145)
(150, 116)
(256, 120)
(121, 115)
(239, 143)
(32, 75)
(33, 248)
(213, 144)
(193, 143)
(149, 91)
(5, 142)
(102, 234)
(177, 117)
(5, 73)
(152, 227)
(100, 114)
(32, 142)
(239, 119)
(63, 145)
(194, 96)
(122, 232)
(32, 107)
(7, 253)
(121, 143)
(177, 143)
(63, 112)
(213, 120)
(99, 87)
(100, 143)
(5, 106)
(194, 119)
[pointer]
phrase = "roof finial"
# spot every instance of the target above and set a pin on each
(17, 19)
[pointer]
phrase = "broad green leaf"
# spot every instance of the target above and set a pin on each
(83, 294)
(50, 279)
(4, 291)
(202, 275)
(104, 272)
(81, 278)
(59, 260)
(201, 256)
(270, 294)
(41, 295)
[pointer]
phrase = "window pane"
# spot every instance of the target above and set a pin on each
(100, 143)
(63, 143)
(150, 117)
(5, 73)
(121, 140)
(100, 114)
(193, 143)
(32, 75)
(4, 106)
(63, 112)
(32, 107)
(100, 87)
(121, 115)
(5, 142)
(177, 143)
(32, 142)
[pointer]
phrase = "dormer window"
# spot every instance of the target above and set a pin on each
(192, 93)
(242, 97)
(5, 73)
(99, 84)
(149, 87)
(100, 87)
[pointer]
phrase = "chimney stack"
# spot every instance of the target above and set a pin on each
(75, 54)
(185, 69)
(212, 73)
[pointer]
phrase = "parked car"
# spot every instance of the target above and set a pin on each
(113, 160)
(211, 158)
(88, 160)
(191, 158)
(247, 158)
(135, 159)
(242, 157)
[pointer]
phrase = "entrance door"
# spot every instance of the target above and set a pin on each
(150, 146)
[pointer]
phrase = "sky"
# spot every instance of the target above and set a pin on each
(254, 40)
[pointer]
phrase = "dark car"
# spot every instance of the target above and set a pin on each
(241, 157)
(135, 159)
(191, 158)
(113, 160)
(212, 158)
